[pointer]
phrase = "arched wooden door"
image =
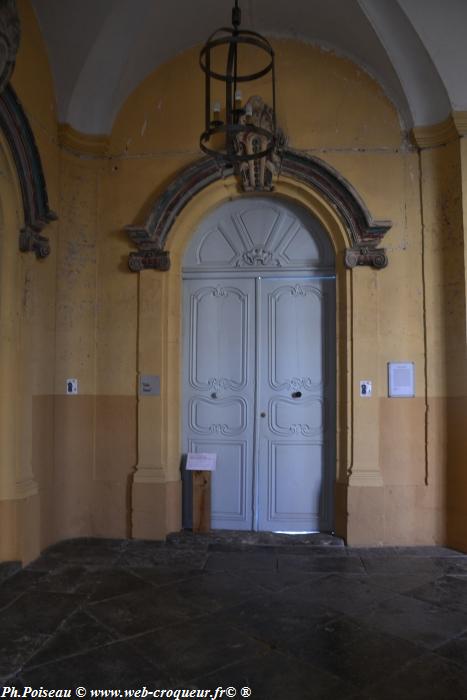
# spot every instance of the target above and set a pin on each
(259, 364)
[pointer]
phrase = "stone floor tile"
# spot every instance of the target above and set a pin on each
(427, 678)
(38, 613)
(116, 665)
(114, 582)
(452, 565)
(69, 578)
(399, 565)
(8, 568)
(365, 659)
(423, 623)
(16, 649)
(329, 564)
(384, 552)
(274, 618)
(197, 648)
(245, 538)
(27, 624)
(281, 580)
(145, 556)
(277, 677)
(455, 650)
(447, 591)
(402, 583)
(322, 639)
(433, 551)
(142, 553)
(14, 586)
(315, 551)
(159, 576)
(79, 633)
(214, 591)
(142, 611)
(241, 561)
(342, 593)
(82, 551)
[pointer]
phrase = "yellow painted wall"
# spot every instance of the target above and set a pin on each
(84, 311)
(28, 297)
(443, 211)
(352, 126)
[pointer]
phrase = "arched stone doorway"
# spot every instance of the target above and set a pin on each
(162, 240)
(259, 364)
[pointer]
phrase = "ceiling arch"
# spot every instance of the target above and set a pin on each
(100, 50)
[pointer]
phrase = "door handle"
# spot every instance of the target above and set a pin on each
(213, 395)
(263, 414)
(297, 395)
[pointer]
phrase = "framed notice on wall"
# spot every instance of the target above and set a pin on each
(401, 379)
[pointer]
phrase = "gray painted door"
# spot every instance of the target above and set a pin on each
(295, 399)
(219, 354)
(259, 365)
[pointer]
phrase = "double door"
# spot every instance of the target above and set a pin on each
(259, 392)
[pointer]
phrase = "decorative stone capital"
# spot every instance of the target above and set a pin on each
(152, 259)
(9, 40)
(373, 257)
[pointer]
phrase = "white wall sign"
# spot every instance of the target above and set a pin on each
(365, 388)
(401, 379)
(201, 461)
(71, 386)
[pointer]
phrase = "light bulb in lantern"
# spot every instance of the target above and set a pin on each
(238, 99)
(216, 109)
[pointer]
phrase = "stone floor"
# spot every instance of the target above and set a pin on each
(288, 618)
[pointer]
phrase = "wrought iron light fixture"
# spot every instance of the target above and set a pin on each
(248, 131)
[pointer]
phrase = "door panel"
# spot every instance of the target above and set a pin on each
(295, 392)
(263, 340)
(219, 391)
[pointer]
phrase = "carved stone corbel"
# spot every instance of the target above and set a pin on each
(32, 241)
(9, 40)
(373, 257)
(151, 259)
(150, 255)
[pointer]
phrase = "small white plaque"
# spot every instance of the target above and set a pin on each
(201, 461)
(401, 379)
(71, 386)
(365, 388)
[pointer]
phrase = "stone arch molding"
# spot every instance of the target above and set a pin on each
(364, 234)
(36, 212)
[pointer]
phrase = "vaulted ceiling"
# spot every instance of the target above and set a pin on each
(100, 50)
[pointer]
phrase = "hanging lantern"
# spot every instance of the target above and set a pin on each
(237, 133)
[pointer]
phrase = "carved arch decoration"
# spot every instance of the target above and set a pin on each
(37, 214)
(365, 234)
(10, 31)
